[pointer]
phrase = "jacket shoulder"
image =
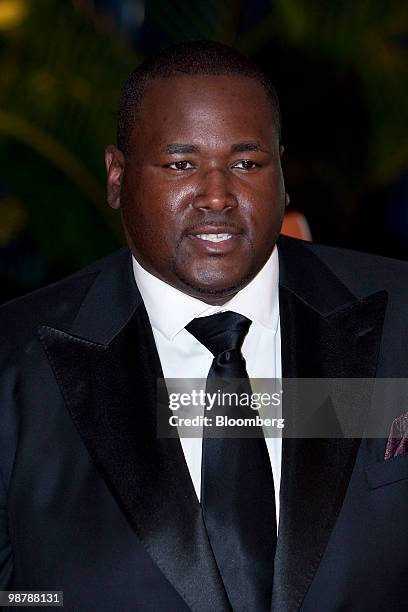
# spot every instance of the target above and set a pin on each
(55, 304)
(362, 272)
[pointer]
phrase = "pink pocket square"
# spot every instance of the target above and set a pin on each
(397, 443)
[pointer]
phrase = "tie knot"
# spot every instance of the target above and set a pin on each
(221, 332)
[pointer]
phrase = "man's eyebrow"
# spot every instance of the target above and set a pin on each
(241, 147)
(176, 148)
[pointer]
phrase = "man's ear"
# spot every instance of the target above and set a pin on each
(115, 166)
(281, 151)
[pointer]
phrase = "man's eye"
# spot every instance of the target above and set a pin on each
(246, 164)
(181, 165)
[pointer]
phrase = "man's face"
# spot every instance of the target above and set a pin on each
(201, 188)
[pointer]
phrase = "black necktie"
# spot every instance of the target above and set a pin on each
(237, 492)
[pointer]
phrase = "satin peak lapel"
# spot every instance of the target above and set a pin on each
(110, 392)
(338, 338)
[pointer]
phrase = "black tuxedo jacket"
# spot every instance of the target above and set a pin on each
(94, 504)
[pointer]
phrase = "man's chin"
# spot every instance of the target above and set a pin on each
(221, 289)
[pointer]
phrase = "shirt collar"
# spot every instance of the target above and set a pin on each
(258, 300)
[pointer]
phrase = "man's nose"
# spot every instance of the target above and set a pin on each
(214, 191)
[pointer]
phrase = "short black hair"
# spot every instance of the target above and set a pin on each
(193, 57)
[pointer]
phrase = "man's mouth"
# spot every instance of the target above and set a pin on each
(213, 240)
(214, 237)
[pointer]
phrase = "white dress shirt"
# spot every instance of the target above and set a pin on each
(182, 356)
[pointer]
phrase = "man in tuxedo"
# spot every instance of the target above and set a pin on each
(92, 501)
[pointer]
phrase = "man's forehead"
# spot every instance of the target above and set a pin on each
(198, 86)
(197, 90)
(194, 99)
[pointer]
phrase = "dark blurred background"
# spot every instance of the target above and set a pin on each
(340, 69)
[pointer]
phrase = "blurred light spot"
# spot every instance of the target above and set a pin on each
(12, 13)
